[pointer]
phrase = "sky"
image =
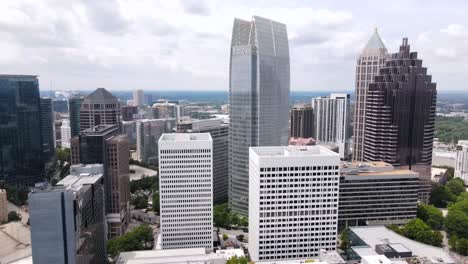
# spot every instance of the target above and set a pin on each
(185, 44)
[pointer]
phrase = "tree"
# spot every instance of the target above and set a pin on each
(439, 196)
(140, 201)
(418, 230)
(156, 202)
(233, 218)
(431, 215)
(455, 186)
(344, 245)
(240, 237)
(236, 260)
(140, 238)
(457, 219)
(13, 216)
(221, 215)
(244, 221)
(225, 237)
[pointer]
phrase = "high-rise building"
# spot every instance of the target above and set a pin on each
(258, 98)
(128, 111)
(332, 121)
(400, 116)
(74, 108)
(67, 220)
(148, 132)
(99, 108)
(219, 134)
(461, 163)
(3, 206)
(302, 121)
(186, 190)
(21, 146)
(138, 98)
(293, 203)
(164, 110)
(65, 133)
(129, 129)
(371, 59)
(376, 193)
(47, 129)
(103, 144)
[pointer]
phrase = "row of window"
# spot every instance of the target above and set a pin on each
(308, 168)
(170, 151)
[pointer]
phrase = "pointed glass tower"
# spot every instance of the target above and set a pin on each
(372, 58)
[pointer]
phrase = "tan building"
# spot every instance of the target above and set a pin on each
(3, 206)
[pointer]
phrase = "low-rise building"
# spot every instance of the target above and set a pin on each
(171, 256)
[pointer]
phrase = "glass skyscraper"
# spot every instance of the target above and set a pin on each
(21, 159)
(258, 98)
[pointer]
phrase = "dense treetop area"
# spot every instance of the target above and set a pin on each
(223, 217)
(140, 188)
(451, 129)
(140, 238)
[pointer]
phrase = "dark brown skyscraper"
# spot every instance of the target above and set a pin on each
(400, 116)
(302, 121)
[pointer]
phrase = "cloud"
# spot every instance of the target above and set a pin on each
(106, 16)
(453, 30)
(196, 7)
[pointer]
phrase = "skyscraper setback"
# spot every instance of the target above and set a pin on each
(99, 108)
(258, 98)
(400, 116)
(372, 58)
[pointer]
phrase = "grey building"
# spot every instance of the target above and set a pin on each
(148, 132)
(99, 108)
(129, 129)
(74, 107)
(258, 98)
(400, 116)
(376, 193)
(371, 59)
(67, 220)
(21, 150)
(302, 121)
(47, 129)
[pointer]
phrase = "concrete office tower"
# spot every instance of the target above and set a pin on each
(461, 163)
(21, 147)
(65, 133)
(219, 133)
(74, 107)
(186, 172)
(371, 59)
(332, 121)
(164, 110)
(103, 144)
(129, 129)
(258, 98)
(376, 193)
(128, 111)
(67, 220)
(47, 129)
(99, 108)
(293, 202)
(400, 116)
(148, 132)
(138, 98)
(302, 121)
(3, 206)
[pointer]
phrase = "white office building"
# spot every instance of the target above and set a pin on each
(65, 133)
(461, 162)
(293, 202)
(138, 97)
(186, 190)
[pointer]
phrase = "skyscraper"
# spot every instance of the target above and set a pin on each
(47, 129)
(99, 108)
(74, 107)
(332, 121)
(65, 133)
(186, 190)
(67, 220)
(258, 98)
(138, 97)
(461, 162)
(400, 116)
(148, 132)
(302, 121)
(293, 203)
(128, 111)
(21, 149)
(372, 58)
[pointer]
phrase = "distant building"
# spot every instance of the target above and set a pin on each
(67, 220)
(59, 106)
(461, 164)
(74, 107)
(129, 129)
(259, 83)
(164, 110)
(3, 206)
(301, 142)
(128, 111)
(148, 132)
(21, 152)
(376, 193)
(302, 121)
(65, 133)
(186, 172)
(99, 108)
(47, 129)
(332, 121)
(138, 98)
(293, 202)
(58, 133)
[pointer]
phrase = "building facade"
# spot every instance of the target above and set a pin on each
(3, 206)
(293, 203)
(21, 146)
(302, 121)
(186, 191)
(400, 116)
(99, 108)
(67, 220)
(371, 59)
(138, 98)
(332, 121)
(129, 129)
(376, 193)
(461, 163)
(128, 111)
(258, 98)
(74, 107)
(65, 133)
(148, 132)
(47, 129)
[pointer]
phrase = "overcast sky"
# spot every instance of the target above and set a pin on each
(184, 44)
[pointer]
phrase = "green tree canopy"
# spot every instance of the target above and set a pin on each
(431, 215)
(156, 205)
(455, 186)
(418, 230)
(13, 216)
(140, 238)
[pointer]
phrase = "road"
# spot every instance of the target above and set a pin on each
(140, 172)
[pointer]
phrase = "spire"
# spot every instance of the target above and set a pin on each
(375, 42)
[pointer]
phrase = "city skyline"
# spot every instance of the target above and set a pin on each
(124, 46)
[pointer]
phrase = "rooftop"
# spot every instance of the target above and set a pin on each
(372, 168)
(293, 151)
(99, 129)
(375, 42)
(101, 94)
(186, 137)
(170, 256)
